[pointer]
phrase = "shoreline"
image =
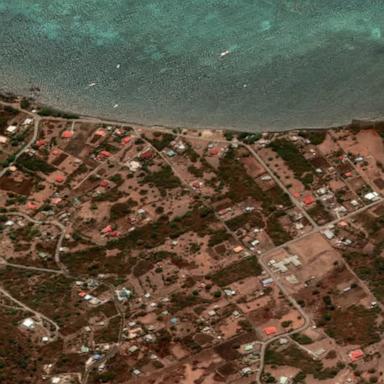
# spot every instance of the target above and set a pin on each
(353, 123)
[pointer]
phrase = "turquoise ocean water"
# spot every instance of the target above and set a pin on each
(247, 64)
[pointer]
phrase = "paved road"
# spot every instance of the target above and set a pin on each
(30, 268)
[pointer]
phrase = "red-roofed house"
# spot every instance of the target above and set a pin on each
(56, 152)
(31, 205)
(107, 229)
(67, 134)
(82, 294)
(127, 139)
(308, 200)
(100, 132)
(356, 354)
(104, 183)
(348, 174)
(146, 155)
(59, 178)
(214, 151)
(40, 143)
(105, 154)
(269, 331)
(115, 234)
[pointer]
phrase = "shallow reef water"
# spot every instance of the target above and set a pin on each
(246, 64)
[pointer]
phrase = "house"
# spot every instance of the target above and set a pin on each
(146, 155)
(104, 183)
(197, 184)
(56, 200)
(281, 266)
(248, 347)
(133, 349)
(3, 139)
(100, 133)
(59, 179)
(67, 134)
(356, 354)
(56, 152)
(292, 279)
(11, 129)
(127, 139)
(171, 153)
(371, 196)
(180, 147)
(40, 143)
(123, 294)
(269, 331)
(329, 234)
(238, 249)
(28, 323)
(105, 154)
(107, 229)
(267, 282)
(31, 205)
(229, 292)
(246, 371)
(309, 200)
(134, 166)
(214, 151)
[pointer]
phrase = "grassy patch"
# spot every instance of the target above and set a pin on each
(242, 186)
(288, 151)
(154, 234)
(93, 261)
(302, 339)
(179, 301)
(253, 219)
(319, 213)
(48, 111)
(161, 140)
(237, 271)
(292, 356)
(276, 231)
(34, 164)
(369, 268)
(119, 210)
(315, 137)
(163, 179)
(218, 237)
(355, 325)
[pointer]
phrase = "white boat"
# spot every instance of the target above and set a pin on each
(116, 105)
(91, 84)
(225, 53)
